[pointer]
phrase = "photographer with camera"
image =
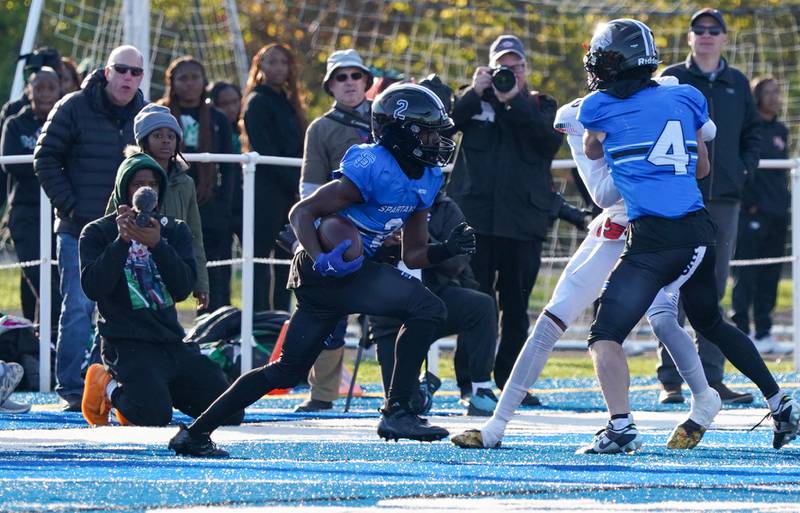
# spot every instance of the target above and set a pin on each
(502, 182)
(137, 264)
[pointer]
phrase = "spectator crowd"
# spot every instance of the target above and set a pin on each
(100, 150)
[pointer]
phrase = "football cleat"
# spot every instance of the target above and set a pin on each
(398, 422)
(785, 422)
(688, 434)
(472, 439)
(611, 441)
(200, 446)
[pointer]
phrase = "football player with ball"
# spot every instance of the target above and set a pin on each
(379, 188)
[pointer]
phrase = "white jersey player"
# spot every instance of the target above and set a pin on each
(579, 285)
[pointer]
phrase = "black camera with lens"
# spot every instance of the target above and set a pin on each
(503, 79)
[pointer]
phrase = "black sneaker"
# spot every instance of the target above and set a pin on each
(671, 394)
(312, 405)
(530, 400)
(482, 404)
(422, 401)
(199, 446)
(728, 396)
(70, 403)
(398, 422)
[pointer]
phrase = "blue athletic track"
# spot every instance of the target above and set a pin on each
(51, 461)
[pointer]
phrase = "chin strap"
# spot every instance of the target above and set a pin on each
(410, 167)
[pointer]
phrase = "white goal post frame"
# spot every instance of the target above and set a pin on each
(136, 32)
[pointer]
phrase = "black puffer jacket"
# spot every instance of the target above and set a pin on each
(734, 151)
(19, 138)
(79, 151)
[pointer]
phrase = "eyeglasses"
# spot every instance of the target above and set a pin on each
(124, 68)
(342, 77)
(699, 30)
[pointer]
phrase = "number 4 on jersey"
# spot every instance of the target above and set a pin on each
(670, 149)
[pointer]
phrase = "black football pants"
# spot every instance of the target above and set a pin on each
(375, 289)
(634, 283)
(506, 269)
(471, 315)
(155, 377)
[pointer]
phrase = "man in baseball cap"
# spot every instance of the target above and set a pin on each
(734, 155)
(711, 13)
(505, 44)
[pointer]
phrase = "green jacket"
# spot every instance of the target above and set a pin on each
(179, 200)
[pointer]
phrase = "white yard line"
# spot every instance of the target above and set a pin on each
(529, 422)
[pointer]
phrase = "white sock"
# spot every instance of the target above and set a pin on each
(775, 400)
(529, 365)
(112, 385)
(482, 384)
(682, 349)
(705, 407)
(622, 422)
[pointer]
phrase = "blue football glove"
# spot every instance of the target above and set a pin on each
(332, 264)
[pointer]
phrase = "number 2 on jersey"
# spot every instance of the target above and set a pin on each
(670, 149)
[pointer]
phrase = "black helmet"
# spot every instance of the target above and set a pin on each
(618, 46)
(401, 113)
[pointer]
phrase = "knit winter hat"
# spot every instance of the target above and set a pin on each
(152, 117)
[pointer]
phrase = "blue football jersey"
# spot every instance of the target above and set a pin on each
(651, 146)
(390, 196)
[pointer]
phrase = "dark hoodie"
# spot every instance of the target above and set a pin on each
(81, 145)
(135, 287)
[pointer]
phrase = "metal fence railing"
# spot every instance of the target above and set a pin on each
(248, 162)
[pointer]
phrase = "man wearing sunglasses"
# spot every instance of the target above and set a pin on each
(327, 139)
(734, 156)
(76, 160)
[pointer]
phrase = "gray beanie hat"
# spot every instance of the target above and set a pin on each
(152, 117)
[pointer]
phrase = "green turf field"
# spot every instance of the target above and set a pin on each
(571, 364)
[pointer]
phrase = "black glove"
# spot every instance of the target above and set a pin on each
(387, 255)
(287, 240)
(461, 240)
(575, 216)
(560, 209)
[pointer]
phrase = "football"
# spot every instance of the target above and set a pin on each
(333, 229)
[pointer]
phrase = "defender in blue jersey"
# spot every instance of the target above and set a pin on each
(652, 139)
(381, 188)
